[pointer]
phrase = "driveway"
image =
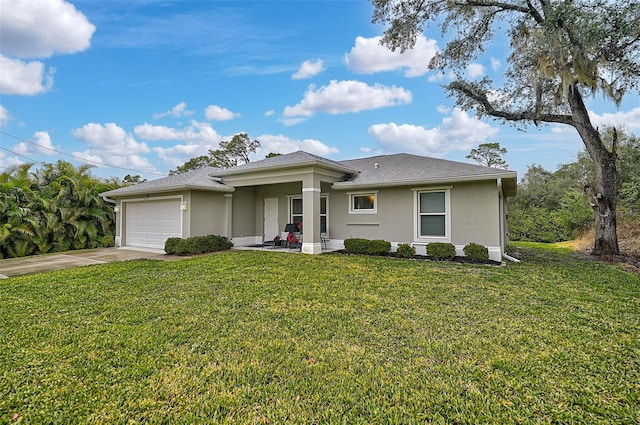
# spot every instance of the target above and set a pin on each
(43, 263)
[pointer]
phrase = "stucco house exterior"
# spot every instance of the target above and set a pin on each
(400, 198)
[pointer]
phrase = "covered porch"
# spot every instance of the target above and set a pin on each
(266, 201)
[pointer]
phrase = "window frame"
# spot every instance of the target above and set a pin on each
(290, 214)
(353, 195)
(447, 214)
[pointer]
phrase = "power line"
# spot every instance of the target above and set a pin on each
(73, 156)
(23, 156)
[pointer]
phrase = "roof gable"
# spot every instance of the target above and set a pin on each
(290, 160)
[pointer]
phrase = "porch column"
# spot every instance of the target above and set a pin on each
(228, 222)
(311, 216)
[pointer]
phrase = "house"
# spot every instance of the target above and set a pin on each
(400, 198)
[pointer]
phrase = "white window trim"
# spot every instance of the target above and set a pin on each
(374, 210)
(290, 198)
(447, 215)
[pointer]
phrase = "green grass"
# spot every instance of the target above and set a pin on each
(261, 337)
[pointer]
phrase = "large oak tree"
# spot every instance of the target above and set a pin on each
(560, 52)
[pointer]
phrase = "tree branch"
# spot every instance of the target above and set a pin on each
(499, 4)
(481, 99)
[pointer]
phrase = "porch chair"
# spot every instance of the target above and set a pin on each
(276, 241)
(292, 241)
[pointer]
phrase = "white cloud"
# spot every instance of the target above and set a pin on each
(24, 78)
(458, 132)
(5, 116)
(628, 120)
(368, 56)
(475, 70)
(180, 110)
(282, 144)
(443, 109)
(179, 154)
(130, 162)
(269, 113)
(495, 63)
(41, 28)
(340, 97)
(37, 29)
(196, 139)
(196, 132)
(9, 161)
(43, 140)
(217, 113)
(109, 138)
(308, 69)
(111, 144)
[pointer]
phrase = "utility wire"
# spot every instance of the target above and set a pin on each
(72, 156)
(20, 155)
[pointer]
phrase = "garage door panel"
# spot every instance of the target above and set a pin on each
(151, 223)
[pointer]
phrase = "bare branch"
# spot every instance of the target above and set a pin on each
(481, 99)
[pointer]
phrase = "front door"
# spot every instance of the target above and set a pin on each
(271, 226)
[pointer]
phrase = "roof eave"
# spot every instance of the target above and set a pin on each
(430, 182)
(301, 164)
(166, 189)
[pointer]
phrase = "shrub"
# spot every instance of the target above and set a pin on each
(197, 245)
(406, 251)
(107, 241)
(441, 250)
(476, 252)
(171, 244)
(356, 245)
(378, 247)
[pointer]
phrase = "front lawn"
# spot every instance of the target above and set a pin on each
(263, 337)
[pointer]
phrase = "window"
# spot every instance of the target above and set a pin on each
(296, 212)
(324, 214)
(363, 203)
(433, 215)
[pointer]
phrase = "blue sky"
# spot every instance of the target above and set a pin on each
(142, 86)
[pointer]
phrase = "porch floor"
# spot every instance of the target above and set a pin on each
(277, 249)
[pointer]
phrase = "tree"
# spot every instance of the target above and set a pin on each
(560, 52)
(230, 154)
(129, 180)
(489, 155)
(56, 208)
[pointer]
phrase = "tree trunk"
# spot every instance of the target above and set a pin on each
(605, 194)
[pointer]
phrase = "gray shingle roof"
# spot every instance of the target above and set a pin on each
(412, 169)
(385, 170)
(294, 159)
(196, 179)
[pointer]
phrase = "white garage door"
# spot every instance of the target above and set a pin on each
(149, 224)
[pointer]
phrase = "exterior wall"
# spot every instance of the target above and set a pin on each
(475, 215)
(393, 220)
(244, 213)
(208, 213)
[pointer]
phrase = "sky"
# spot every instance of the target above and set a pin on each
(141, 86)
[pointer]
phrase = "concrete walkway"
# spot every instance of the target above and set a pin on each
(43, 263)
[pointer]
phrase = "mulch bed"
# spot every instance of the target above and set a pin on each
(461, 260)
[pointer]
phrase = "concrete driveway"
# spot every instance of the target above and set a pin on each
(43, 263)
